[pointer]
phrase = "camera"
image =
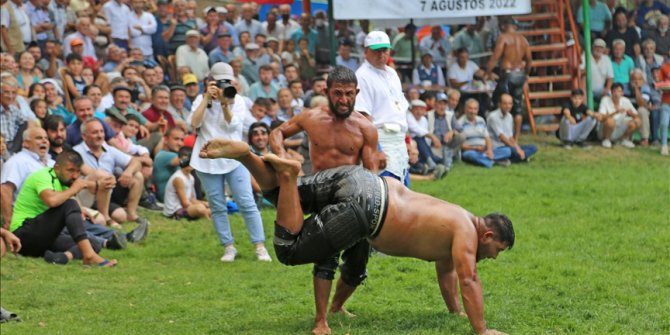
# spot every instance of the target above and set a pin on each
(227, 87)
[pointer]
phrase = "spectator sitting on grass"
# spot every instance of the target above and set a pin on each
(167, 160)
(478, 148)
(44, 207)
(501, 126)
(180, 201)
(618, 119)
(418, 130)
(577, 121)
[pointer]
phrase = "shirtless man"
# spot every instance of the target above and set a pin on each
(338, 136)
(349, 204)
(515, 66)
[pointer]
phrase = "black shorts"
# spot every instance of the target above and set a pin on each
(346, 205)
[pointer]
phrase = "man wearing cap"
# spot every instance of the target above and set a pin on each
(602, 72)
(216, 116)
(443, 123)
(513, 51)
(253, 62)
(223, 52)
(192, 89)
(417, 125)
(82, 33)
(142, 26)
(179, 112)
(382, 99)
(428, 72)
(192, 56)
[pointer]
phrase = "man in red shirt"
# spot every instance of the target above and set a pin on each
(160, 101)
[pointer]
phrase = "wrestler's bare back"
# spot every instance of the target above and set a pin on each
(335, 141)
(515, 51)
(420, 226)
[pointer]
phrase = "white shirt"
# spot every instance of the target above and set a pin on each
(498, 124)
(381, 96)
(431, 46)
(118, 16)
(23, 22)
(600, 72)
(463, 75)
(197, 60)
(607, 107)
(142, 38)
(213, 126)
(21, 165)
(171, 199)
(283, 31)
(417, 128)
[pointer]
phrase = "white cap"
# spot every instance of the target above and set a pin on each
(418, 103)
(251, 46)
(192, 33)
(377, 40)
(221, 71)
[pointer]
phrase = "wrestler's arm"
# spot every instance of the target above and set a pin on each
(286, 130)
(369, 151)
(447, 280)
(497, 52)
(464, 257)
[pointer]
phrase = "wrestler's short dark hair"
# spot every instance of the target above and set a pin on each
(502, 227)
(71, 156)
(343, 75)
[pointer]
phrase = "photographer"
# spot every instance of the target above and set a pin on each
(219, 114)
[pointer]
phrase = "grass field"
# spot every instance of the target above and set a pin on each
(592, 256)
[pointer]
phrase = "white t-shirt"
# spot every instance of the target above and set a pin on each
(463, 75)
(600, 72)
(213, 126)
(171, 199)
(607, 107)
(381, 96)
(118, 15)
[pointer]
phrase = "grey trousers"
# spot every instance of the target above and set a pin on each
(576, 132)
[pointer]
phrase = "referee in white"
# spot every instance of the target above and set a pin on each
(381, 97)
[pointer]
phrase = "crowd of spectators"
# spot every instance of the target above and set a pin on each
(112, 90)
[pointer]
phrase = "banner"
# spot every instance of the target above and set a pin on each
(426, 9)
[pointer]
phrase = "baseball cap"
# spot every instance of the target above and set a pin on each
(441, 97)
(189, 78)
(599, 42)
(76, 41)
(251, 46)
(222, 71)
(113, 112)
(221, 10)
(177, 87)
(223, 34)
(418, 103)
(272, 39)
(192, 33)
(377, 40)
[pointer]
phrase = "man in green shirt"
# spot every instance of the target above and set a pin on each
(402, 52)
(45, 206)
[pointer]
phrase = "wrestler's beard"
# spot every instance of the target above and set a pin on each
(338, 114)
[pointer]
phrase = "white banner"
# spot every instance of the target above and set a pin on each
(426, 9)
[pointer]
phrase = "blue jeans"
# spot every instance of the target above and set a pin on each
(239, 181)
(665, 123)
(480, 158)
(529, 150)
(426, 153)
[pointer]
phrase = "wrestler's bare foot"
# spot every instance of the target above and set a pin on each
(224, 148)
(321, 328)
(342, 311)
(287, 167)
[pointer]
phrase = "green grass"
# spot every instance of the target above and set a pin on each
(592, 256)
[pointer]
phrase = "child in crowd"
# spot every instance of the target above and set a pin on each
(577, 121)
(73, 81)
(40, 109)
(180, 201)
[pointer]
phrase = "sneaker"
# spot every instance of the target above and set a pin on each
(627, 144)
(504, 163)
(140, 233)
(606, 143)
(567, 145)
(229, 254)
(583, 145)
(440, 172)
(262, 255)
(55, 257)
(118, 241)
(149, 202)
(664, 150)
